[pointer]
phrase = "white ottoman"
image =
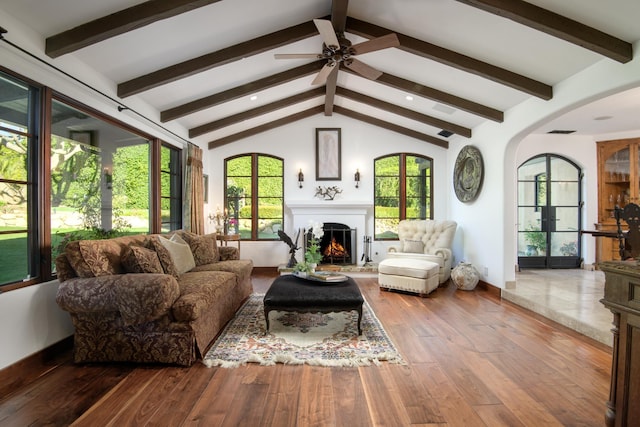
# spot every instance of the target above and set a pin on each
(412, 275)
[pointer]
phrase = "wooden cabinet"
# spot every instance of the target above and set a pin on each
(622, 297)
(618, 184)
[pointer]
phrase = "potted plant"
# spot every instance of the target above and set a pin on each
(536, 241)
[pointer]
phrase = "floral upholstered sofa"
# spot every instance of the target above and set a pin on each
(150, 298)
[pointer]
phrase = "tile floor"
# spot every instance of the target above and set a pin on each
(569, 297)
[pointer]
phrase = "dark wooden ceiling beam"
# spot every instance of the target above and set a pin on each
(339, 14)
(255, 112)
(405, 112)
(454, 59)
(118, 23)
(317, 110)
(439, 96)
(216, 59)
(390, 126)
(265, 127)
(240, 91)
(558, 26)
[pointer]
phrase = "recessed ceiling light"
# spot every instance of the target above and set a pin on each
(409, 98)
(254, 97)
(603, 118)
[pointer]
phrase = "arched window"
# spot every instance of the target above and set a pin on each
(403, 190)
(254, 195)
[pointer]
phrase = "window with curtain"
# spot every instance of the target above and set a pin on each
(403, 190)
(254, 195)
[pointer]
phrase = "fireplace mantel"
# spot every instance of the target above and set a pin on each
(324, 207)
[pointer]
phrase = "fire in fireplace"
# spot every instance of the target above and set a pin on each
(338, 245)
(335, 250)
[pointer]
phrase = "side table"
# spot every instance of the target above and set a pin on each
(226, 238)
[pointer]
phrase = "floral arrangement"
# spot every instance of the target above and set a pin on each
(232, 224)
(312, 255)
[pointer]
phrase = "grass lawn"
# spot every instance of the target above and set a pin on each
(13, 247)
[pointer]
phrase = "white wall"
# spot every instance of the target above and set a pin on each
(30, 320)
(488, 224)
(361, 143)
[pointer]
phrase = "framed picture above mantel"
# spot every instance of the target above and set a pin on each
(328, 154)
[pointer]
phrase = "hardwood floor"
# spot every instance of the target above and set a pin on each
(472, 360)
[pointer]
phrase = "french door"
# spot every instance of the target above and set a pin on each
(549, 213)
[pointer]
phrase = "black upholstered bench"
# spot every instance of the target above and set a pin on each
(291, 293)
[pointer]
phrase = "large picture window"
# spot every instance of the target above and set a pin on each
(68, 172)
(254, 195)
(100, 177)
(403, 190)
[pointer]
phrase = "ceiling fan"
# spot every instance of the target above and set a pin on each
(336, 49)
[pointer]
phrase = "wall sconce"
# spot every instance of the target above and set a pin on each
(356, 178)
(300, 178)
(108, 178)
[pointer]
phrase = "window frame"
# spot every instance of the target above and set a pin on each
(39, 175)
(402, 191)
(255, 190)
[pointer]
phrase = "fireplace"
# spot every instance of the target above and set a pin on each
(352, 213)
(338, 244)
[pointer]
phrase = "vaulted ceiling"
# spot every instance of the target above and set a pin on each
(207, 68)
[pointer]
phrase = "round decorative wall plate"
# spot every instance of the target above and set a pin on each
(468, 174)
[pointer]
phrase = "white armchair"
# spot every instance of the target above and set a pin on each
(428, 240)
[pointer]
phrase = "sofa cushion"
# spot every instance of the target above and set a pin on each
(137, 259)
(76, 260)
(413, 246)
(102, 256)
(175, 255)
(204, 248)
(407, 267)
(200, 291)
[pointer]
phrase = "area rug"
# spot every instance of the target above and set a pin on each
(297, 338)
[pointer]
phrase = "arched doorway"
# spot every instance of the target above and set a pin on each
(549, 213)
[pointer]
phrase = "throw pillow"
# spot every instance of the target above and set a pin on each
(413, 246)
(180, 256)
(137, 259)
(204, 248)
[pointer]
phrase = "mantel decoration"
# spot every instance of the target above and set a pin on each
(327, 193)
(312, 255)
(468, 174)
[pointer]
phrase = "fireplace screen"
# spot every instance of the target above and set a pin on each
(338, 244)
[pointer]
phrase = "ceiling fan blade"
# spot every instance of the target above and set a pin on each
(298, 56)
(390, 40)
(321, 78)
(327, 32)
(339, 15)
(362, 69)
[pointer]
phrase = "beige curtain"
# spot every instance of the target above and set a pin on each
(194, 191)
